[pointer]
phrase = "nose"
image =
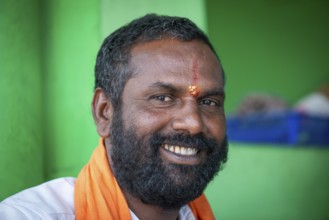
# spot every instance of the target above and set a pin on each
(188, 119)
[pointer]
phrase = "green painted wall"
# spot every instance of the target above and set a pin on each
(272, 183)
(280, 47)
(71, 38)
(21, 153)
(115, 13)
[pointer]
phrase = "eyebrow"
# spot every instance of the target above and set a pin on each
(213, 92)
(166, 86)
(173, 89)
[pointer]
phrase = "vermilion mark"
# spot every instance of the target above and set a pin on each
(195, 72)
(194, 89)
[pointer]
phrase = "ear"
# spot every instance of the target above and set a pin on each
(102, 112)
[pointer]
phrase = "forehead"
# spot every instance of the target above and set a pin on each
(175, 61)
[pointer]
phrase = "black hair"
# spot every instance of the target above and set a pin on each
(112, 68)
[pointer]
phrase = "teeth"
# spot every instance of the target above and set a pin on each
(188, 151)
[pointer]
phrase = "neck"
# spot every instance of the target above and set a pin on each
(145, 212)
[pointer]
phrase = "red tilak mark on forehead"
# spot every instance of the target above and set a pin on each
(194, 89)
(195, 72)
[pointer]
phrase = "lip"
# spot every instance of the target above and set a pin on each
(181, 154)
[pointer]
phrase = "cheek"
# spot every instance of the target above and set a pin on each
(145, 122)
(217, 128)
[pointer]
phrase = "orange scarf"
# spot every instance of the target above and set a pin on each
(98, 196)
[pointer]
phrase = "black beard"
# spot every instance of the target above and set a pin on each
(139, 169)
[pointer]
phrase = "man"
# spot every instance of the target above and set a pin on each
(159, 110)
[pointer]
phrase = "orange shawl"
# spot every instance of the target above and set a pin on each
(98, 196)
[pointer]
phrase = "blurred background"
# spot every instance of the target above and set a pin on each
(47, 57)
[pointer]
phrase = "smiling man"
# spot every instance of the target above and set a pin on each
(159, 110)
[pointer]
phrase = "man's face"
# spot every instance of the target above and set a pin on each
(166, 143)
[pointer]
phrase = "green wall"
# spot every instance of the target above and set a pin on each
(21, 153)
(273, 183)
(115, 13)
(71, 38)
(279, 47)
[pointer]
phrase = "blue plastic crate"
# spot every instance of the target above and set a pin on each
(284, 127)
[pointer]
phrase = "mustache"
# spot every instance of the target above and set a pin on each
(198, 141)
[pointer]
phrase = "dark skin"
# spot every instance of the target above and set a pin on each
(156, 99)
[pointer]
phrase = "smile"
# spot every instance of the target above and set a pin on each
(185, 151)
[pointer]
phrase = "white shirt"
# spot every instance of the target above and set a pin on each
(53, 200)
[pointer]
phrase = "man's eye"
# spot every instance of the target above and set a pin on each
(209, 102)
(162, 98)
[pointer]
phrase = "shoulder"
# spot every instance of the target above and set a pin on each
(185, 213)
(51, 200)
